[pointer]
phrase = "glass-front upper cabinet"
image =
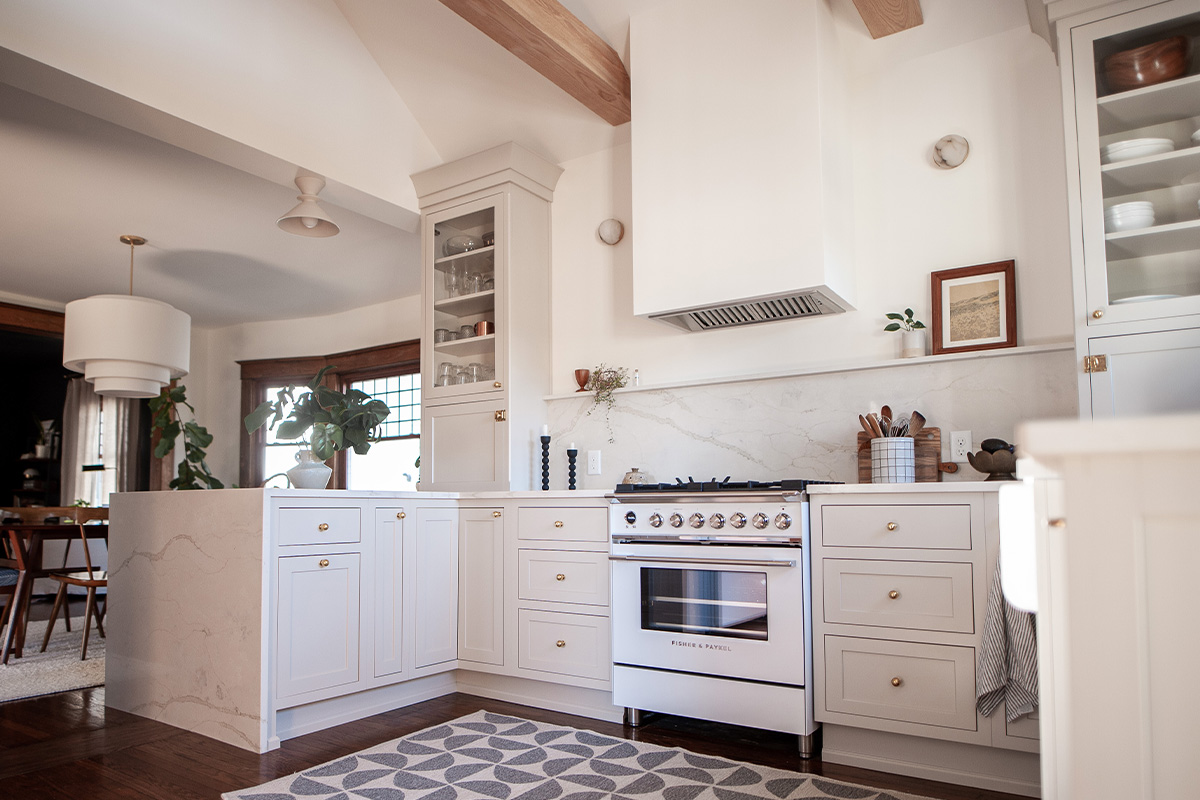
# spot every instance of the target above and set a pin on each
(1137, 104)
(465, 283)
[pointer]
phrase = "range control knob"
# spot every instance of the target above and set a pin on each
(696, 520)
(759, 520)
(656, 520)
(738, 520)
(676, 521)
(716, 521)
(783, 521)
(630, 517)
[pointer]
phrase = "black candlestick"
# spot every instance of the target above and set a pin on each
(571, 455)
(545, 463)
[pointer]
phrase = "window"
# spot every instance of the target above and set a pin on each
(390, 373)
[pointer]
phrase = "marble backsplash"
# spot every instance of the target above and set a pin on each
(802, 426)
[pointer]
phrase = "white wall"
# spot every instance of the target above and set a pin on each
(973, 69)
(214, 384)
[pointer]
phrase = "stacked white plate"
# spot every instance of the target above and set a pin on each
(1129, 216)
(1134, 148)
(1196, 139)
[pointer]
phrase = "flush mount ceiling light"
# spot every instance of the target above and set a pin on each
(308, 218)
(126, 346)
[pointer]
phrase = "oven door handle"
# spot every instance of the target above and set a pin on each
(722, 562)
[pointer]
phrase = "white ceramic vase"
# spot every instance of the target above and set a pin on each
(912, 344)
(310, 472)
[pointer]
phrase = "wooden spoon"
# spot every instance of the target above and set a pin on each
(866, 425)
(915, 423)
(876, 428)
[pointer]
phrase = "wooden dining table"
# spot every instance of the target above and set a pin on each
(26, 541)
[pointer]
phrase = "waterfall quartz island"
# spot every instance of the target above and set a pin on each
(256, 615)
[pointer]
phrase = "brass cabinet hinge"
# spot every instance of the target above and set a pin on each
(1095, 364)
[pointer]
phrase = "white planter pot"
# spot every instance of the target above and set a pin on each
(893, 460)
(309, 472)
(912, 344)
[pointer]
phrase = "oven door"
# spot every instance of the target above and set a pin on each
(731, 611)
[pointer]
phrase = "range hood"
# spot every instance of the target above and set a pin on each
(742, 204)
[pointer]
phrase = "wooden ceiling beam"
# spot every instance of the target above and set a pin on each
(885, 17)
(553, 41)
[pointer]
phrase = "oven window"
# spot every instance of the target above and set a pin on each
(705, 602)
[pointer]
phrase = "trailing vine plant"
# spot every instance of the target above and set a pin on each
(602, 383)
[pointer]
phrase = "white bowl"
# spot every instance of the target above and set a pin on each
(1142, 206)
(1196, 139)
(1128, 224)
(1130, 214)
(1135, 148)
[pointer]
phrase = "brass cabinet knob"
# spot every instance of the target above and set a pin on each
(560, 577)
(324, 526)
(560, 643)
(497, 385)
(324, 562)
(495, 513)
(893, 594)
(896, 681)
(891, 526)
(501, 415)
(400, 515)
(558, 523)
(1058, 522)
(1098, 313)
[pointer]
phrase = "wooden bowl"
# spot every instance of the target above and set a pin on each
(1147, 65)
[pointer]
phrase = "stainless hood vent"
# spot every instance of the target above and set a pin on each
(748, 312)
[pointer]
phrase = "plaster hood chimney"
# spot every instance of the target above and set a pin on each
(742, 205)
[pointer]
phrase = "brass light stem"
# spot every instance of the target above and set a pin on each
(132, 241)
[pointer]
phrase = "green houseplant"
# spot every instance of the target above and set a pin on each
(912, 343)
(193, 471)
(327, 419)
(602, 383)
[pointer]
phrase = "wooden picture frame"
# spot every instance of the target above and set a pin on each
(974, 308)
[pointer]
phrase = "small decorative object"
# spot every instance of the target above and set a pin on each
(489, 239)
(893, 460)
(165, 418)
(581, 377)
(336, 420)
(545, 439)
(974, 308)
(634, 476)
(45, 438)
(310, 472)
(950, 151)
(572, 454)
(997, 459)
(1146, 65)
(610, 231)
(603, 381)
(912, 343)
(484, 327)
(460, 244)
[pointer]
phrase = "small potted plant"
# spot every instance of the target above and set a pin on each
(602, 382)
(912, 342)
(326, 420)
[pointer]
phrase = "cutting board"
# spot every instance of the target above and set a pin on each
(927, 447)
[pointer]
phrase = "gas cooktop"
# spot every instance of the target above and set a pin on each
(714, 485)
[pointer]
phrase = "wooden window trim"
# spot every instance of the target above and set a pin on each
(349, 365)
(25, 319)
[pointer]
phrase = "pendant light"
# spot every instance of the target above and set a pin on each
(308, 218)
(127, 346)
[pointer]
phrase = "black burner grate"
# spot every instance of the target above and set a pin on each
(714, 485)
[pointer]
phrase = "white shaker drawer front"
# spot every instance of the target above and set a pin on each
(919, 595)
(564, 577)
(318, 525)
(567, 524)
(930, 684)
(566, 644)
(1025, 727)
(935, 527)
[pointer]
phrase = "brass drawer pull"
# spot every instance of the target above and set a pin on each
(1058, 522)
(400, 515)
(560, 577)
(891, 526)
(896, 681)
(497, 385)
(324, 562)
(560, 643)
(893, 594)
(496, 514)
(558, 523)
(501, 415)
(324, 526)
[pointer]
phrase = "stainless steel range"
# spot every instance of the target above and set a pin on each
(711, 614)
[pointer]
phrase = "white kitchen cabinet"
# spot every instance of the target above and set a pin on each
(1131, 285)
(318, 617)
(486, 258)
(436, 599)
(481, 593)
(900, 577)
(389, 590)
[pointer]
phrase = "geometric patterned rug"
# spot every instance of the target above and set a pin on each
(486, 756)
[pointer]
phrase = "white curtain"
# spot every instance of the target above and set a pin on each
(88, 442)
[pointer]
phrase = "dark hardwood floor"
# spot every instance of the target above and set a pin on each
(70, 746)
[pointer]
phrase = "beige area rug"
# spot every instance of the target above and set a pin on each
(56, 670)
(488, 756)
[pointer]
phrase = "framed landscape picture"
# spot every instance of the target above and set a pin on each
(974, 308)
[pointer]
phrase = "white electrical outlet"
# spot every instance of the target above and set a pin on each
(960, 445)
(593, 462)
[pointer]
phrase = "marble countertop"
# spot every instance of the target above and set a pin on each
(906, 488)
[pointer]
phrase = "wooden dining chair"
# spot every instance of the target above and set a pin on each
(9, 572)
(91, 580)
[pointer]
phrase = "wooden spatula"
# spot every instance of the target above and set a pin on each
(915, 423)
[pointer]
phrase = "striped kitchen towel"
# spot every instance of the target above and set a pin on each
(1007, 668)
